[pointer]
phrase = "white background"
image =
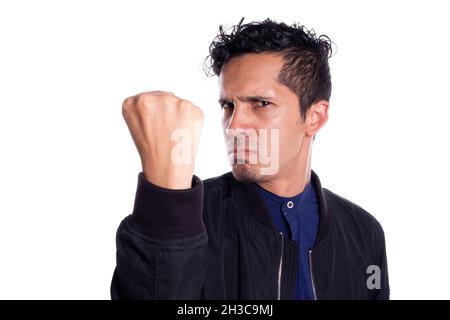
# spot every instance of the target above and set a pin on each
(68, 167)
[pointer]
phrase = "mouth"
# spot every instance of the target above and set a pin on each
(241, 151)
(242, 156)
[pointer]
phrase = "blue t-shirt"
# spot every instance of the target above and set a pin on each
(297, 218)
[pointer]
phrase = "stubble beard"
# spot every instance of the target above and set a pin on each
(247, 173)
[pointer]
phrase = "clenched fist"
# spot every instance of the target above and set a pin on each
(166, 131)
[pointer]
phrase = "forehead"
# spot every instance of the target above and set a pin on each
(251, 74)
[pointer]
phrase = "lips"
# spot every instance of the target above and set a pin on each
(241, 151)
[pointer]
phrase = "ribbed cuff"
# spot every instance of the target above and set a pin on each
(166, 213)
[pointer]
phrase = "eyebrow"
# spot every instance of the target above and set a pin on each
(247, 99)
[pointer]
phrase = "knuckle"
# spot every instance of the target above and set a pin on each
(143, 98)
(185, 104)
(166, 98)
(126, 102)
(127, 105)
(145, 101)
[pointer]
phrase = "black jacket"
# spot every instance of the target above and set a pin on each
(216, 241)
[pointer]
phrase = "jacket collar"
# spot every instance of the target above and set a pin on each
(324, 210)
(249, 201)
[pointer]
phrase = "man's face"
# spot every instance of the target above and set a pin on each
(261, 118)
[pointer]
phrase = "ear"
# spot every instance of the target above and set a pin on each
(316, 117)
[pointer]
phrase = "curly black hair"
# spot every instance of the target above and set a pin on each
(305, 70)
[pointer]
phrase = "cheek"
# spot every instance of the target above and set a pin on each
(290, 141)
(278, 134)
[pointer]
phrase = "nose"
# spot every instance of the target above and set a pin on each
(238, 122)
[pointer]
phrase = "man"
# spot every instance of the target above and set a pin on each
(267, 230)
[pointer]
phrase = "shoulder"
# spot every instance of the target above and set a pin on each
(352, 217)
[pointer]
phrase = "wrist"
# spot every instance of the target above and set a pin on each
(170, 179)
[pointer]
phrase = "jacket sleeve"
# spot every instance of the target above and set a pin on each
(162, 245)
(384, 292)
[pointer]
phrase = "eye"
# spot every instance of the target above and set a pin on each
(262, 103)
(227, 105)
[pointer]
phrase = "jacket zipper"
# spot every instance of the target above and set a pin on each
(280, 267)
(311, 274)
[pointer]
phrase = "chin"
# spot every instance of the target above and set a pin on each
(247, 173)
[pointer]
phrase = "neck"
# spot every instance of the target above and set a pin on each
(294, 180)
